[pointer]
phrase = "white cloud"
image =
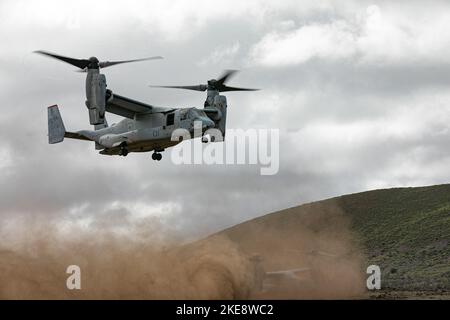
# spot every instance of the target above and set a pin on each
(379, 35)
(307, 42)
(177, 21)
(222, 54)
(406, 146)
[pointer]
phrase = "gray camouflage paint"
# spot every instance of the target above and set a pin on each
(148, 130)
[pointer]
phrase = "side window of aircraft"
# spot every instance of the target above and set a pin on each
(170, 119)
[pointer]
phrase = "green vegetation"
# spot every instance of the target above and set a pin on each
(406, 231)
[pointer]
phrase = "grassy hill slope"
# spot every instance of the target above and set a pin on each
(406, 231)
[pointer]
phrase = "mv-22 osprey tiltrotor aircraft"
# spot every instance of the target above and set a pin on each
(145, 127)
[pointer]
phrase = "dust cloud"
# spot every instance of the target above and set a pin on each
(306, 252)
(116, 266)
(238, 263)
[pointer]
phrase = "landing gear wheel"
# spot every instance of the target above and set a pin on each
(157, 156)
(123, 150)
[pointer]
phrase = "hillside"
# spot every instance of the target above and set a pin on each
(406, 231)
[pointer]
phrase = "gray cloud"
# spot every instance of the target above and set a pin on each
(346, 126)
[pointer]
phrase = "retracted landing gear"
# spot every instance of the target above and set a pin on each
(157, 156)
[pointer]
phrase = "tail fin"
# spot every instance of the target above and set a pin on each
(56, 129)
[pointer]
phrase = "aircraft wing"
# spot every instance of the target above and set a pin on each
(127, 107)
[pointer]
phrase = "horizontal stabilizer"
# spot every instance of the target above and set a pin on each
(76, 135)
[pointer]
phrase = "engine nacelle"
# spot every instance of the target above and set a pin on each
(220, 102)
(95, 94)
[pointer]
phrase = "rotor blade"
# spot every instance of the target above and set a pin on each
(105, 64)
(227, 74)
(224, 88)
(80, 63)
(200, 87)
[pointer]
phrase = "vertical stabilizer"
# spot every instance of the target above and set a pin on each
(56, 129)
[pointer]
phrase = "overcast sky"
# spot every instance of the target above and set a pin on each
(358, 89)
